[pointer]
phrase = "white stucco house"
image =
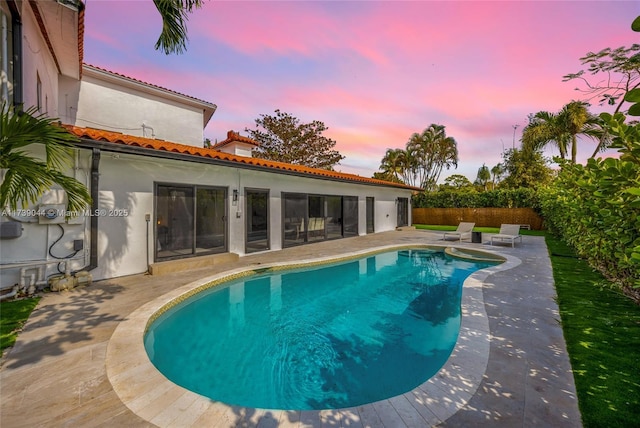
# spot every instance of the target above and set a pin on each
(158, 194)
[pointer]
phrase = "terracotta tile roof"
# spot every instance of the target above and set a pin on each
(233, 137)
(159, 145)
(104, 70)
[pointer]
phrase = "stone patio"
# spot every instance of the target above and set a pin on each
(78, 361)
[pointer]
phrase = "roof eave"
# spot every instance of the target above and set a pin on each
(96, 72)
(163, 154)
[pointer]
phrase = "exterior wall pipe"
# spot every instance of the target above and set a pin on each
(93, 234)
(9, 295)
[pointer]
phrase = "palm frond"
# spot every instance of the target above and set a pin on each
(22, 128)
(25, 177)
(174, 14)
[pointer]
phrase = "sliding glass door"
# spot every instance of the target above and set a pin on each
(211, 221)
(174, 221)
(311, 218)
(257, 227)
(350, 215)
(334, 217)
(190, 220)
(294, 220)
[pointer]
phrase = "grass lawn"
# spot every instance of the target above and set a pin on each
(451, 228)
(602, 330)
(13, 315)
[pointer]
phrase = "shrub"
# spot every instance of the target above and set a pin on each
(595, 208)
(500, 198)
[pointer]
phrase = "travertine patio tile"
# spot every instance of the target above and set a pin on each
(103, 325)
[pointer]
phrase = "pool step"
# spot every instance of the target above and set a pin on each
(477, 256)
(170, 266)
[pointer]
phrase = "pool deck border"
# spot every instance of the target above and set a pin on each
(148, 394)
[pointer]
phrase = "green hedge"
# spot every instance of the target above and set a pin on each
(595, 208)
(500, 198)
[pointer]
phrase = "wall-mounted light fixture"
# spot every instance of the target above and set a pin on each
(235, 195)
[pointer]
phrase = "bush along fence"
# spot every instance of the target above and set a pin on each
(482, 217)
(500, 198)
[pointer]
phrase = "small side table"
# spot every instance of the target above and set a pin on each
(476, 237)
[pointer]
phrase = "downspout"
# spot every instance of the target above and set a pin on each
(93, 234)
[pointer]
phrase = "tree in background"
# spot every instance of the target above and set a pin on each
(496, 174)
(483, 177)
(430, 152)
(174, 14)
(562, 129)
(525, 168)
(424, 157)
(386, 176)
(24, 177)
(621, 68)
(395, 163)
(457, 182)
(620, 83)
(283, 138)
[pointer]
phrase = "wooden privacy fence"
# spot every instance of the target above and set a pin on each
(483, 217)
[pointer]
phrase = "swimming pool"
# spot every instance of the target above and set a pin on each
(330, 336)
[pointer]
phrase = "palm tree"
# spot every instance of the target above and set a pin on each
(544, 128)
(174, 14)
(25, 178)
(483, 177)
(496, 172)
(394, 163)
(432, 150)
(562, 129)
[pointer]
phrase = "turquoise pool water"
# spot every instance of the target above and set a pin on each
(331, 336)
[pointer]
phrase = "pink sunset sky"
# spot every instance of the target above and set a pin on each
(373, 72)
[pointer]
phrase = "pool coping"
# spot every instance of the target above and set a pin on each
(154, 398)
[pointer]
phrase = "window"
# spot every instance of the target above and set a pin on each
(6, 53)
(190, 220)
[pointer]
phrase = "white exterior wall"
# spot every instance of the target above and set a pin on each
(97, 103)
(127, 184)
(37, 244)
(37, 61)
(238, 148)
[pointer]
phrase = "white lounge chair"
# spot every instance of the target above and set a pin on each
(509, 233)
(464, 229)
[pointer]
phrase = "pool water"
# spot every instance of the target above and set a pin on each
(331, 336)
